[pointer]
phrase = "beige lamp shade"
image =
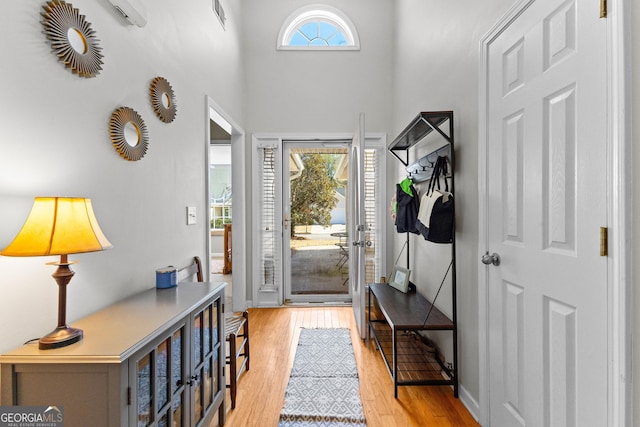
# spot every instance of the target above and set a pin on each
(58, 226)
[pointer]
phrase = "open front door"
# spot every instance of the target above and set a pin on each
(357, 227)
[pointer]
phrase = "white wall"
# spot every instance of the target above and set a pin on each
(416, 56)
(316, 92)
(55, 141)
(295, 91)
(436, 68)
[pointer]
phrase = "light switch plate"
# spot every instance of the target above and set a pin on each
(191, 215)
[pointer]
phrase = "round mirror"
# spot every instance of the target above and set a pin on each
(163, 99)
(166, 101)
(72, 39)
(77, 40)
(128, 133)
(131, 134)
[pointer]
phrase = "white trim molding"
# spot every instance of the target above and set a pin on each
(239, 275)
(274, 297)
(321, 13)
(619, 177)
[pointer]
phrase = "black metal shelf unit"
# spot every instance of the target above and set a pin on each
(438, 123)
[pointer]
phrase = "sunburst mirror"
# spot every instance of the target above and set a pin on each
(128, 133)
(163, 99)
(72, 39)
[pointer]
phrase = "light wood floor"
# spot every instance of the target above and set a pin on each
(274, 336)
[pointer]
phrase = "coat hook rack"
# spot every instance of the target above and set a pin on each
(420, 171)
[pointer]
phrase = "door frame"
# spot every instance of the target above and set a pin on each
(286, 243)
(619, 212)
(238, 216)
(274, 298)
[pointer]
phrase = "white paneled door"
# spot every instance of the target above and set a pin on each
(546, 201)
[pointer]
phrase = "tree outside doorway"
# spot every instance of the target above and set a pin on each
(313, 193)
(318, 259)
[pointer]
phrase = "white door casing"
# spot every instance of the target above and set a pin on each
(239, 255)
(544, 189)
(271, 295)
(290, 146)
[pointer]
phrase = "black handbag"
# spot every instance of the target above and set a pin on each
(437, 212)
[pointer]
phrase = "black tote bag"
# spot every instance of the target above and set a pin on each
(437, 212)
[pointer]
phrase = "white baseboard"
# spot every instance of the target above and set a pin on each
(469, 402)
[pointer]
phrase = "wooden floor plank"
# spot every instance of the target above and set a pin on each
(274, 334)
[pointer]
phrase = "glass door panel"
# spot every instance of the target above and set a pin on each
(316, 267)
(197, 395)
(206, 334)
(214, 323)
(207, 387)
(145, 391)
(177, 365)
(197, 339)
(196, 382)
(177, 368)
(216, 315)
(216, 385)
(177, 411)
(162, 370)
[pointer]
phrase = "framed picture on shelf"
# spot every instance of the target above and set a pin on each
(399, 278)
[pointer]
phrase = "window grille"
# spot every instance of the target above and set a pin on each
(318, 27)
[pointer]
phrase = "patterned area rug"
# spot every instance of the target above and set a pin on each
(323, 389)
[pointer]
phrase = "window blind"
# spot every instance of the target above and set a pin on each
(269, 255)
(371, 202)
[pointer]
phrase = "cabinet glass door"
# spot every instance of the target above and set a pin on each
(159, 382)
(162, 380)
(144, 374)
(177, 375)
(206, 347)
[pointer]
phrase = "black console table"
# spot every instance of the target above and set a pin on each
(393, 315)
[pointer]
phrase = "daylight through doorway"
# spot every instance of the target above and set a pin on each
(315, 215)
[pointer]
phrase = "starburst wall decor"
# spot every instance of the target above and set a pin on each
(163, 99)
(72, 38)
(128, 133)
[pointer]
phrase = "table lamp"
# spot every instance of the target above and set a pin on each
(59, 226)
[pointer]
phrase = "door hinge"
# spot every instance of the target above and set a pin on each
(603, 8)
(604, 241)
(128, 395)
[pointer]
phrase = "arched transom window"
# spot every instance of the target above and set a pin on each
(318, 27)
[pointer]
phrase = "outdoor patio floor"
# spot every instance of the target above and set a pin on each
(316, 266)
(315, 270)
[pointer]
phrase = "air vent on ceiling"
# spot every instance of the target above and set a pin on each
(132, 11)
(219, 10)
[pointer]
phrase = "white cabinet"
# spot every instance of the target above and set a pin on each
(154, 359)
